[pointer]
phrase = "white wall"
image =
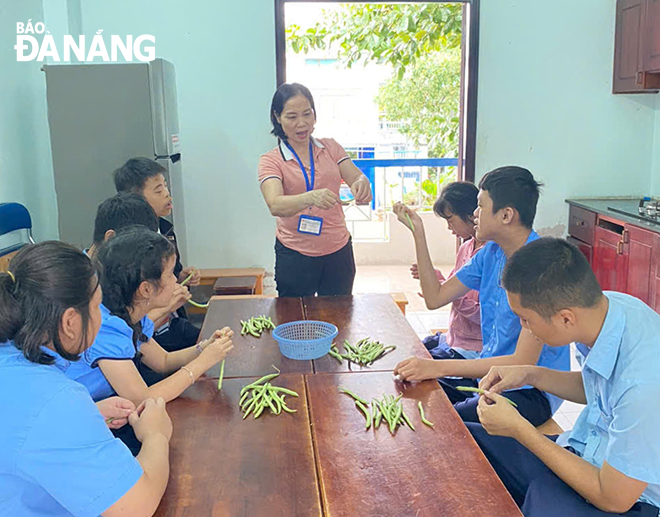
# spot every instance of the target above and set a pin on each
(655, 173)
(224, 53)
(400, 248)
(26, 172)
(545, 102)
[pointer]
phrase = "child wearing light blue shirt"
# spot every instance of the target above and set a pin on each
(610, 462)
(58, 456)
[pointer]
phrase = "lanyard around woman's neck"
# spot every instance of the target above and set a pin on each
(308, 182)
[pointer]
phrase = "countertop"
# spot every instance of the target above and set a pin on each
(603, 205)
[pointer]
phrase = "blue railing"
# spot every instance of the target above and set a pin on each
(368, 166)
(405, 162)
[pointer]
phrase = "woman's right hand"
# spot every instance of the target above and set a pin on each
(219, 346)
(150, 419)
(323, 198)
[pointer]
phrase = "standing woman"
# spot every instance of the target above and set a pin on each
(300, 182)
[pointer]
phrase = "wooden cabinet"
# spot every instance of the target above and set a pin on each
(637, 46)
(638, 248)
(654, 301)
(586, 249)
(651, 62)
(624, 257)
(610, 263)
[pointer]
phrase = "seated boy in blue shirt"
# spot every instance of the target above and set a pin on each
(610, 462)
(146, 177)
(505, 213)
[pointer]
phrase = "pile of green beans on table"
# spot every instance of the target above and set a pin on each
(388, 409)
(256, 325)
(364, 352)
(261, 395)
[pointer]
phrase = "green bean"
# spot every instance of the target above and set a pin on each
(397, 415)
(198, 305)
(374, 410)
(481, 392)
(410, 223)
(256, 325)
(356, 397)
(364, 352)
(260, 408)
(386, 413)
(222, 374)
(265, 378)
(421, 414)
(379, 417)
(284, 390)
(188, 278)
(270, 403)
(288, 409)
(407, 420)
(366, 413)
(280, 399)
(335, 354)
(250, 407)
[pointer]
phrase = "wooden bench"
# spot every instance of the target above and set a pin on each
(211, 276)
(401, 301)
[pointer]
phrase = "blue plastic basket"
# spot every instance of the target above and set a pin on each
(305, 339)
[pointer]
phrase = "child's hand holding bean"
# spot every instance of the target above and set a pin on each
(499, 417)
(217, 347)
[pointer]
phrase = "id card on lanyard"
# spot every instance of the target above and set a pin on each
(307, 223)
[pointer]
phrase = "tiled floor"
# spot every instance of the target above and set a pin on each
(388, 279)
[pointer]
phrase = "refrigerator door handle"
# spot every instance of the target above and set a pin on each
(173, 157)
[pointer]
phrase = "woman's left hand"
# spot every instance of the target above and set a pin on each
(115, 411)
(361, 190)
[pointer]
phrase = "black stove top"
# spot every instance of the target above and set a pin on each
(648, 211)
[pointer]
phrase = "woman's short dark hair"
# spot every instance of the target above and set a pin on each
(513, 187)
(48, 278)
(134, 256)
(458, 198)
(551, 274)
(283, 94)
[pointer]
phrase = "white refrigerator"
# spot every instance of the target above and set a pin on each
(100, 115)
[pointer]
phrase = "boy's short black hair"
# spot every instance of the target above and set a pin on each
(132, 176)
(551, 274)
(513, 187)
(122, 210)
(459, 198)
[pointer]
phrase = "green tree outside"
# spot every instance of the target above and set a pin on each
(422, 43)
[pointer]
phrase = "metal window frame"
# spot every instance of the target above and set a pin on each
(469, 73)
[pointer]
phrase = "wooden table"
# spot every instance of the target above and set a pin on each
(368, 315)
(224, 466)
(426, 472)
(253, 357)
